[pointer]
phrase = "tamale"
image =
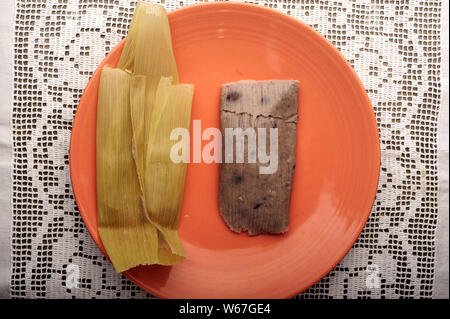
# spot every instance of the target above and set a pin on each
(248, 199)
(128, 237)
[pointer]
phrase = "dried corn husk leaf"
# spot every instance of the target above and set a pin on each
(154, 54)
(131, 233)
(126, 61)
(137, 103)
(153, 58)
(164, 179)
(137, 109)
(128, 237)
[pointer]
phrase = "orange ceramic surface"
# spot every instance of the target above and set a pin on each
(337, 168)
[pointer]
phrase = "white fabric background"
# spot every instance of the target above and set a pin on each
(442, 281)
(6, 74)
(91, 28)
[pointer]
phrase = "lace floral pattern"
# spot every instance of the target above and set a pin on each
(394, 47)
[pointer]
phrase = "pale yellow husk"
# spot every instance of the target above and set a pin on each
(150, 41)
(128, 237)
(164, 179)
(126, 60)
(140, 189)
(137, 109)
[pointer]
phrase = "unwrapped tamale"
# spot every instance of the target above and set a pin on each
(252, 197)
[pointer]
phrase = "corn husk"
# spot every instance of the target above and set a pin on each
(170, 249)
(139, 189)
(164, 179)
(148, 45)
(137, 110)
(154, 54)
(126, 61)
(150, 41)
(128, 237)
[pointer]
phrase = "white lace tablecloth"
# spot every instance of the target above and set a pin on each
(52, 47)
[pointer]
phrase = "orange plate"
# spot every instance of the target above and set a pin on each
(337, 166)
